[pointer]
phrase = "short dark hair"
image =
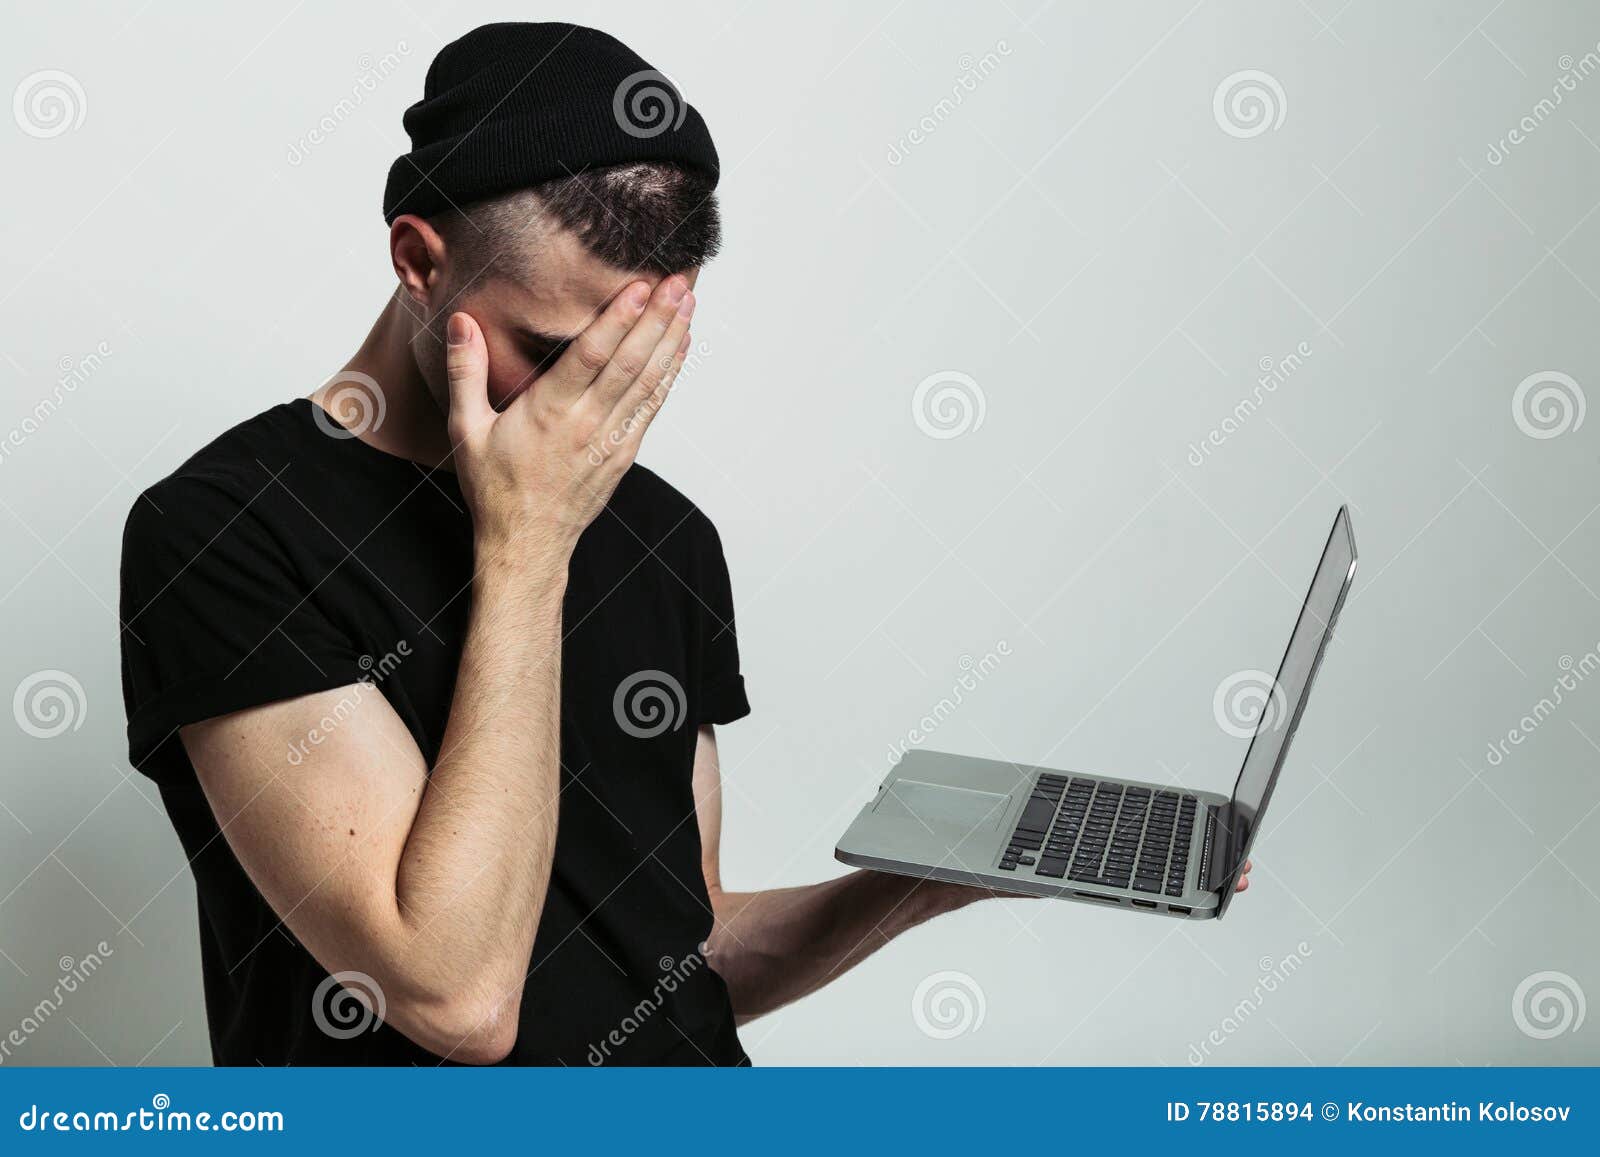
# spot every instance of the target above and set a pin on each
(652, 216)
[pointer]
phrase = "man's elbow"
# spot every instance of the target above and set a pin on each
(461, 1028)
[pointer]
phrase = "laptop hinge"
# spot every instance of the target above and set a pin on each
(1206, 847)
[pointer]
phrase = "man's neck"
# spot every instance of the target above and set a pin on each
(408, 422)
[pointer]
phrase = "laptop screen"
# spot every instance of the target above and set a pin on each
(1280, 714)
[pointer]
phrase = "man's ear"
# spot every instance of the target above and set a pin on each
(418, 253)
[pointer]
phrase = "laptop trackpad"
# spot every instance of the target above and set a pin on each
(962, 807)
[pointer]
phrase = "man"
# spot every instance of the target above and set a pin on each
(429, 683)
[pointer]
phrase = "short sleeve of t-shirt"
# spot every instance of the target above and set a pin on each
(721, 697)
(215, 618)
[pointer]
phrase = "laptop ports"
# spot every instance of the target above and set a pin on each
(1179, 910)
(1144, 903)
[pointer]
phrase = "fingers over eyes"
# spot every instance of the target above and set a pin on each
(640, 405)
(623, 429)
(591, 351)
(645, 352)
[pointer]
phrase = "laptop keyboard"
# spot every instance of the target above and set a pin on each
(1093, 832)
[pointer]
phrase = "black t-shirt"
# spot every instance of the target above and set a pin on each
(282, 560)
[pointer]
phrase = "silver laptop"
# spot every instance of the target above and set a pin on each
(1146, 847)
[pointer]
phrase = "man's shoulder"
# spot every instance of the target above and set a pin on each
(643, 496)
(224, 476)
(243, 455)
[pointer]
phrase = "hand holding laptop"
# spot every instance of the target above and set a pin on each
(1006, 828)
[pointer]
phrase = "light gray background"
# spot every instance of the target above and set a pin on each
(1080, 236)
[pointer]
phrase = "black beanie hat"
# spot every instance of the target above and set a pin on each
(510, 105)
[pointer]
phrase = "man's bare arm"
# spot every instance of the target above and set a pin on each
(775, 946)
(434, 884)
(379, 870)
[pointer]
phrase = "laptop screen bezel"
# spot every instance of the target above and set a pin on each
(1238, 837)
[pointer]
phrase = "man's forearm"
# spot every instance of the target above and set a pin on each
(473, 876)
(776, 946)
